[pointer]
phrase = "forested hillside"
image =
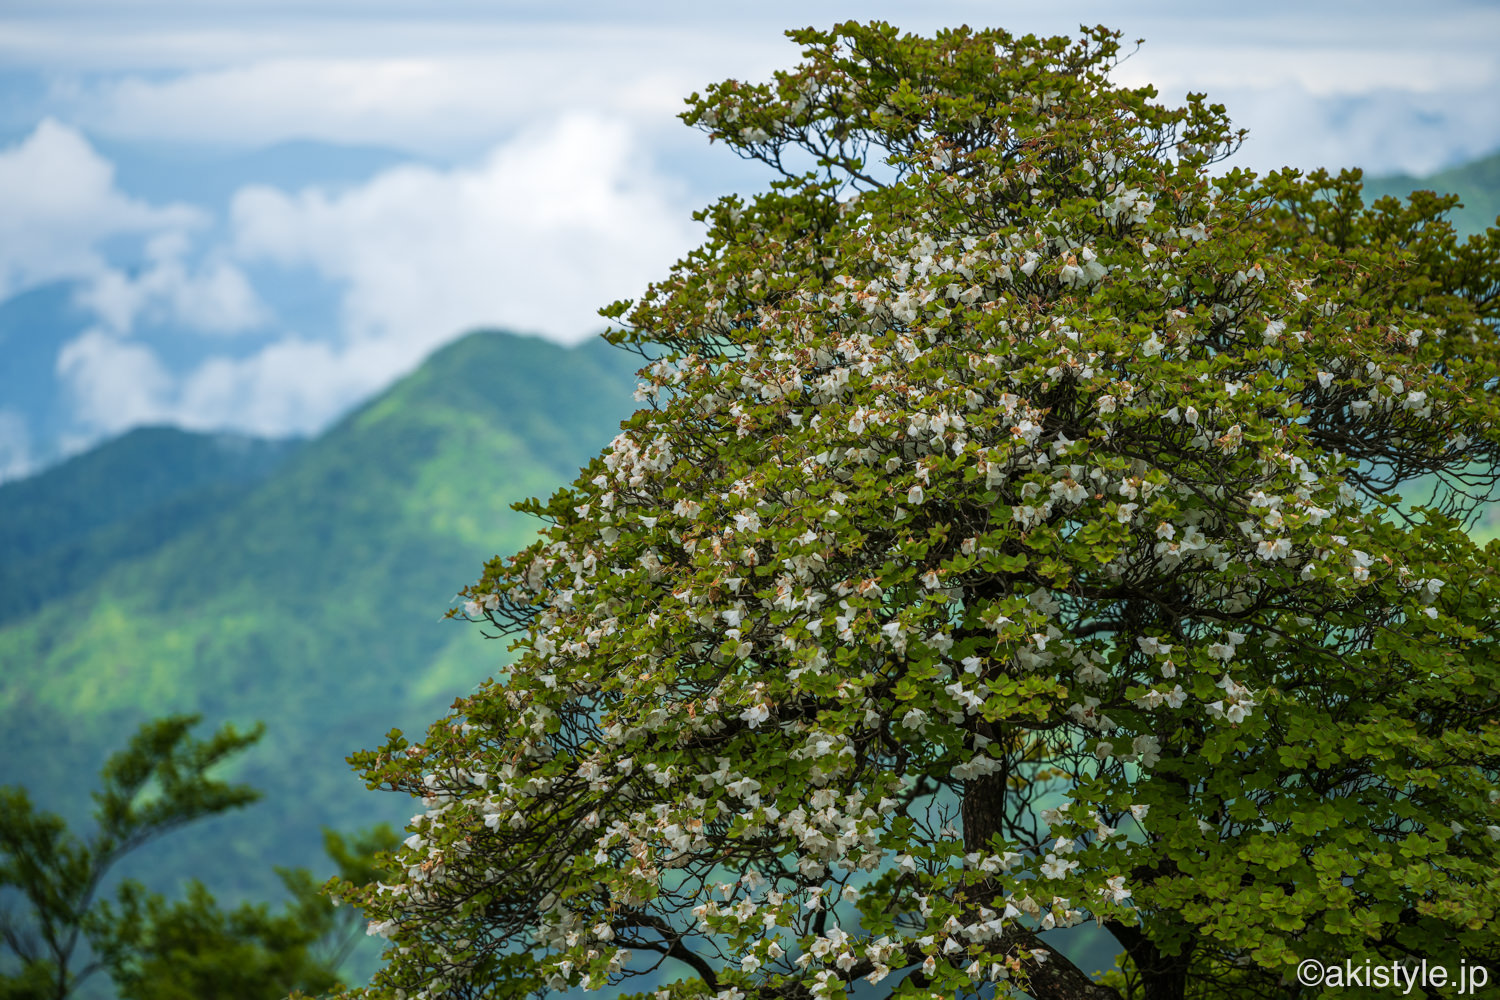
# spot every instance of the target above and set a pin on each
(63, 529)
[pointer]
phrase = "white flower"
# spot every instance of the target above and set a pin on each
(915, 495)
(1152, 646)
(1055, 867)
(756, 714)
(1277, 548)
(1114, 889)
(1149, 749)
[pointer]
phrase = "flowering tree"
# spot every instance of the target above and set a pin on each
(1009, 542)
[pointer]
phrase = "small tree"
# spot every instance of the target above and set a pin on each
(57, 930)
(1010, 543)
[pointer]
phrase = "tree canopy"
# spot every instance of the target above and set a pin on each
(1030, 524)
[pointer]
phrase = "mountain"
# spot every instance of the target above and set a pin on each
(60, 530)
(311, 598)
(1476, 183)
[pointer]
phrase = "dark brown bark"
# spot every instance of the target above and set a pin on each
(1163, 977)
(1056, 978)
(983, 809)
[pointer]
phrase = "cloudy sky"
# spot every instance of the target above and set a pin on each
(250, 214)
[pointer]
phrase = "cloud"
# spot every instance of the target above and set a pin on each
(539, 235)
(15, 445)
(60, 209)
(535, 237)
(449, 85)
(58, 203)
(1395, 91)
(115, 383)
(291, 386)
(426, 95)
(214, 296)
(1383, 132)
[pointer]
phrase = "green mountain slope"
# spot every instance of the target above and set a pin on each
(1477, 184)
(314, 600)
(61, 529)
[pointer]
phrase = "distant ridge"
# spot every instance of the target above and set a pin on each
(64, 527)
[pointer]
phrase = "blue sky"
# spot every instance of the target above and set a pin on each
(250, 215)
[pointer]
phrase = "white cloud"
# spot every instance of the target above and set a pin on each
(214, 296)
(431, 97)
(1383, 132)
(537, 237)
(451, 84)
(60, 208)
(15, 445)
(58, 203)
(291, 386)
(115, 383)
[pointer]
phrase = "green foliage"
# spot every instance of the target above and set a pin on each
(1009, 544)
(313, 601)
(58, 931)
(192, 949)
(160, 782)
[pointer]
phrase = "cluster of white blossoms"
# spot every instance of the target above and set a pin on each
(970, 520)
